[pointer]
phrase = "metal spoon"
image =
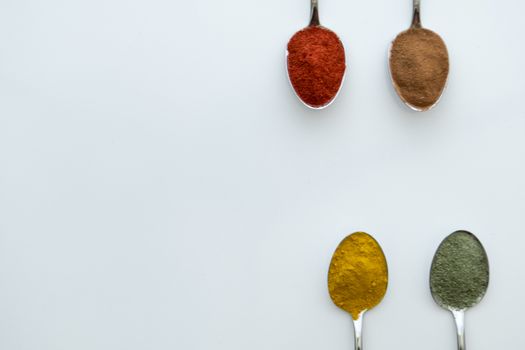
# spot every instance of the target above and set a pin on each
(459, 277)
(348, 261)
(315, 23)
(419, 87)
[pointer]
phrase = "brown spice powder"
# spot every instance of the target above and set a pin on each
(316, 65)
(419, 66)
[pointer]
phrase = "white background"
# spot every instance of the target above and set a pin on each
(161, 187)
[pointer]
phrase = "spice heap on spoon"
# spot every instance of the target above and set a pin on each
(316, 63)
(358, 278)
(419, 65)
(459, 276)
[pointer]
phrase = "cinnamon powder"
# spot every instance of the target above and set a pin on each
(316, 65)
(419, 65)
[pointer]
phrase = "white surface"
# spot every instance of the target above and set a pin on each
(162, 188)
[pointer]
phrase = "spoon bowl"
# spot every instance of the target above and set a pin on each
(358, 278)
(459, 276)
(315, 79)
(419, 65)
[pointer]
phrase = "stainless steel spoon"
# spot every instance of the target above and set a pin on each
(358, 278)
(459, 277)
(419, 64)
(315, 23)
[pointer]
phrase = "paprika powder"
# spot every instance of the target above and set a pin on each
(316, 65)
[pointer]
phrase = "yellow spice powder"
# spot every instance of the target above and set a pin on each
(358, 274)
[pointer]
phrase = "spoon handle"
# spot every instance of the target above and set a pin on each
(459, 317)
(314, 19)
(358, 326)
(416, 18)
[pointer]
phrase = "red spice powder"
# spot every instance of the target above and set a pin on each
(316, 65)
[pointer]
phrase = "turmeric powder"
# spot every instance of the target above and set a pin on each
(358, 274)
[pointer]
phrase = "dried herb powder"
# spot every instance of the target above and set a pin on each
(459, 275)
(419, 66)
(358, 274)
(316, 65)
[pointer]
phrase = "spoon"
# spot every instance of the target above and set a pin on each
(459, 277)
(419, 64)
(316, 63)
(358, 278)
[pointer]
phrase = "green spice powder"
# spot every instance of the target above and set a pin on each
(459, 275)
